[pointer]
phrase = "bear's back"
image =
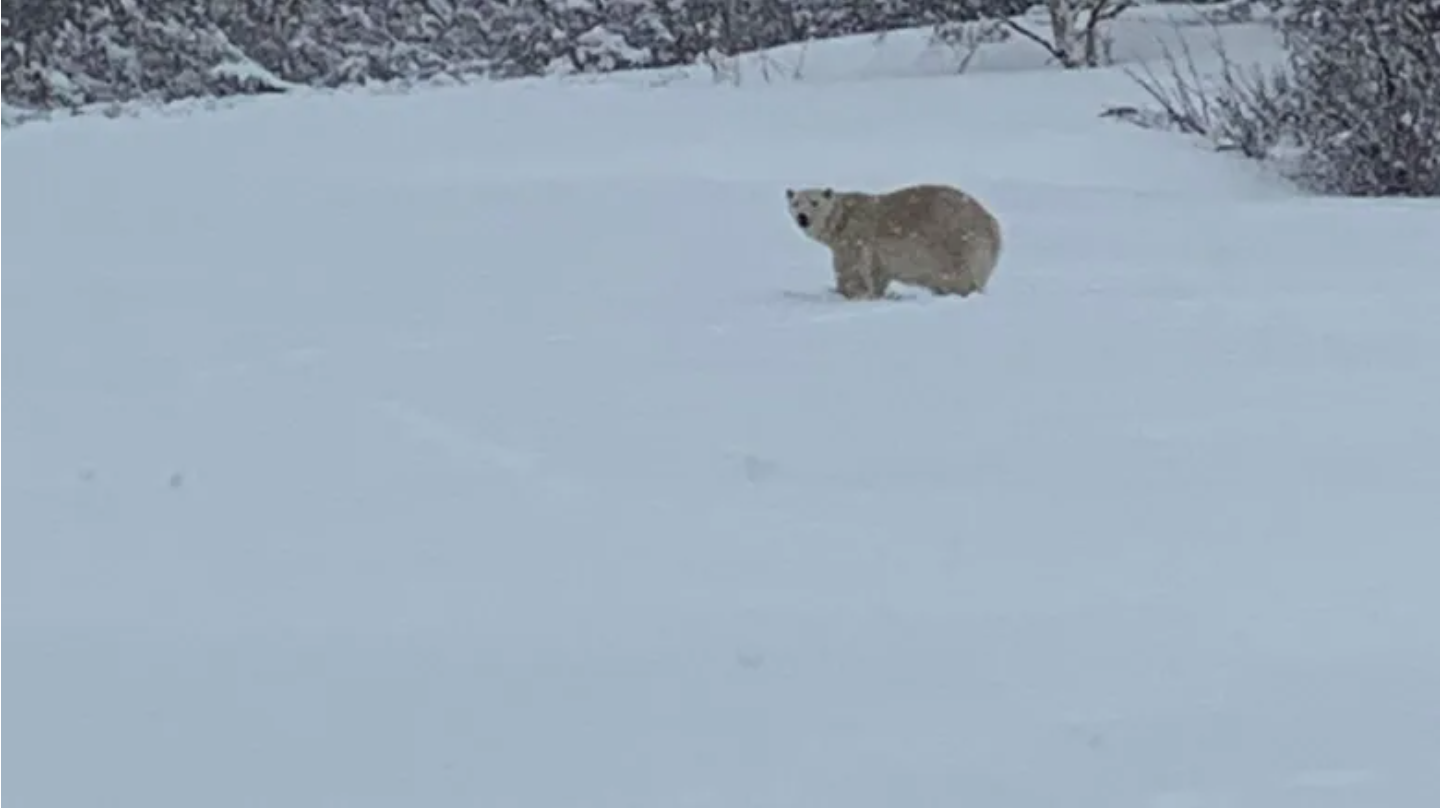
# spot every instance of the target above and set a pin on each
(921, 210)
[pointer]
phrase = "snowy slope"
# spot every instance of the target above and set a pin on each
(465, 448)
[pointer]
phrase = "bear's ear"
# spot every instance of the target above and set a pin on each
(789, 193)
(829, 192)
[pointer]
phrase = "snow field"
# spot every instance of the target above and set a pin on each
(470, 447)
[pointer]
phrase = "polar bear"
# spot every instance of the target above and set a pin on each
(933, 236)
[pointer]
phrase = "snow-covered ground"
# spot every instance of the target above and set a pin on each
(466, 448)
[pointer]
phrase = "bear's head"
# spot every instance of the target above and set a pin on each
(811, 209)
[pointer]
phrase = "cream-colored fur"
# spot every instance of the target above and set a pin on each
(933, 236)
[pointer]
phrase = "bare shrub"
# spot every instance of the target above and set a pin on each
(1243, 109)
(966, 39)
(1077, 30)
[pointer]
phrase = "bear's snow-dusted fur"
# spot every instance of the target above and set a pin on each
(933, 236)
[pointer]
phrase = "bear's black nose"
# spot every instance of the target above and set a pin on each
(802, 220)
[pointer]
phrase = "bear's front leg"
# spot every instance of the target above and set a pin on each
(857, 274)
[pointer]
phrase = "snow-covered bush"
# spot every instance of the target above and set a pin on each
(1355, 110)
(1366, 95)
(67, 52)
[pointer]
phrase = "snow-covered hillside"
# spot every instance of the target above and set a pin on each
(470, 448)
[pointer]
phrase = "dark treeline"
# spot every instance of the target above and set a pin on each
(61, 53)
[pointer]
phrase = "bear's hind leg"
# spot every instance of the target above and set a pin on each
(961, 285)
